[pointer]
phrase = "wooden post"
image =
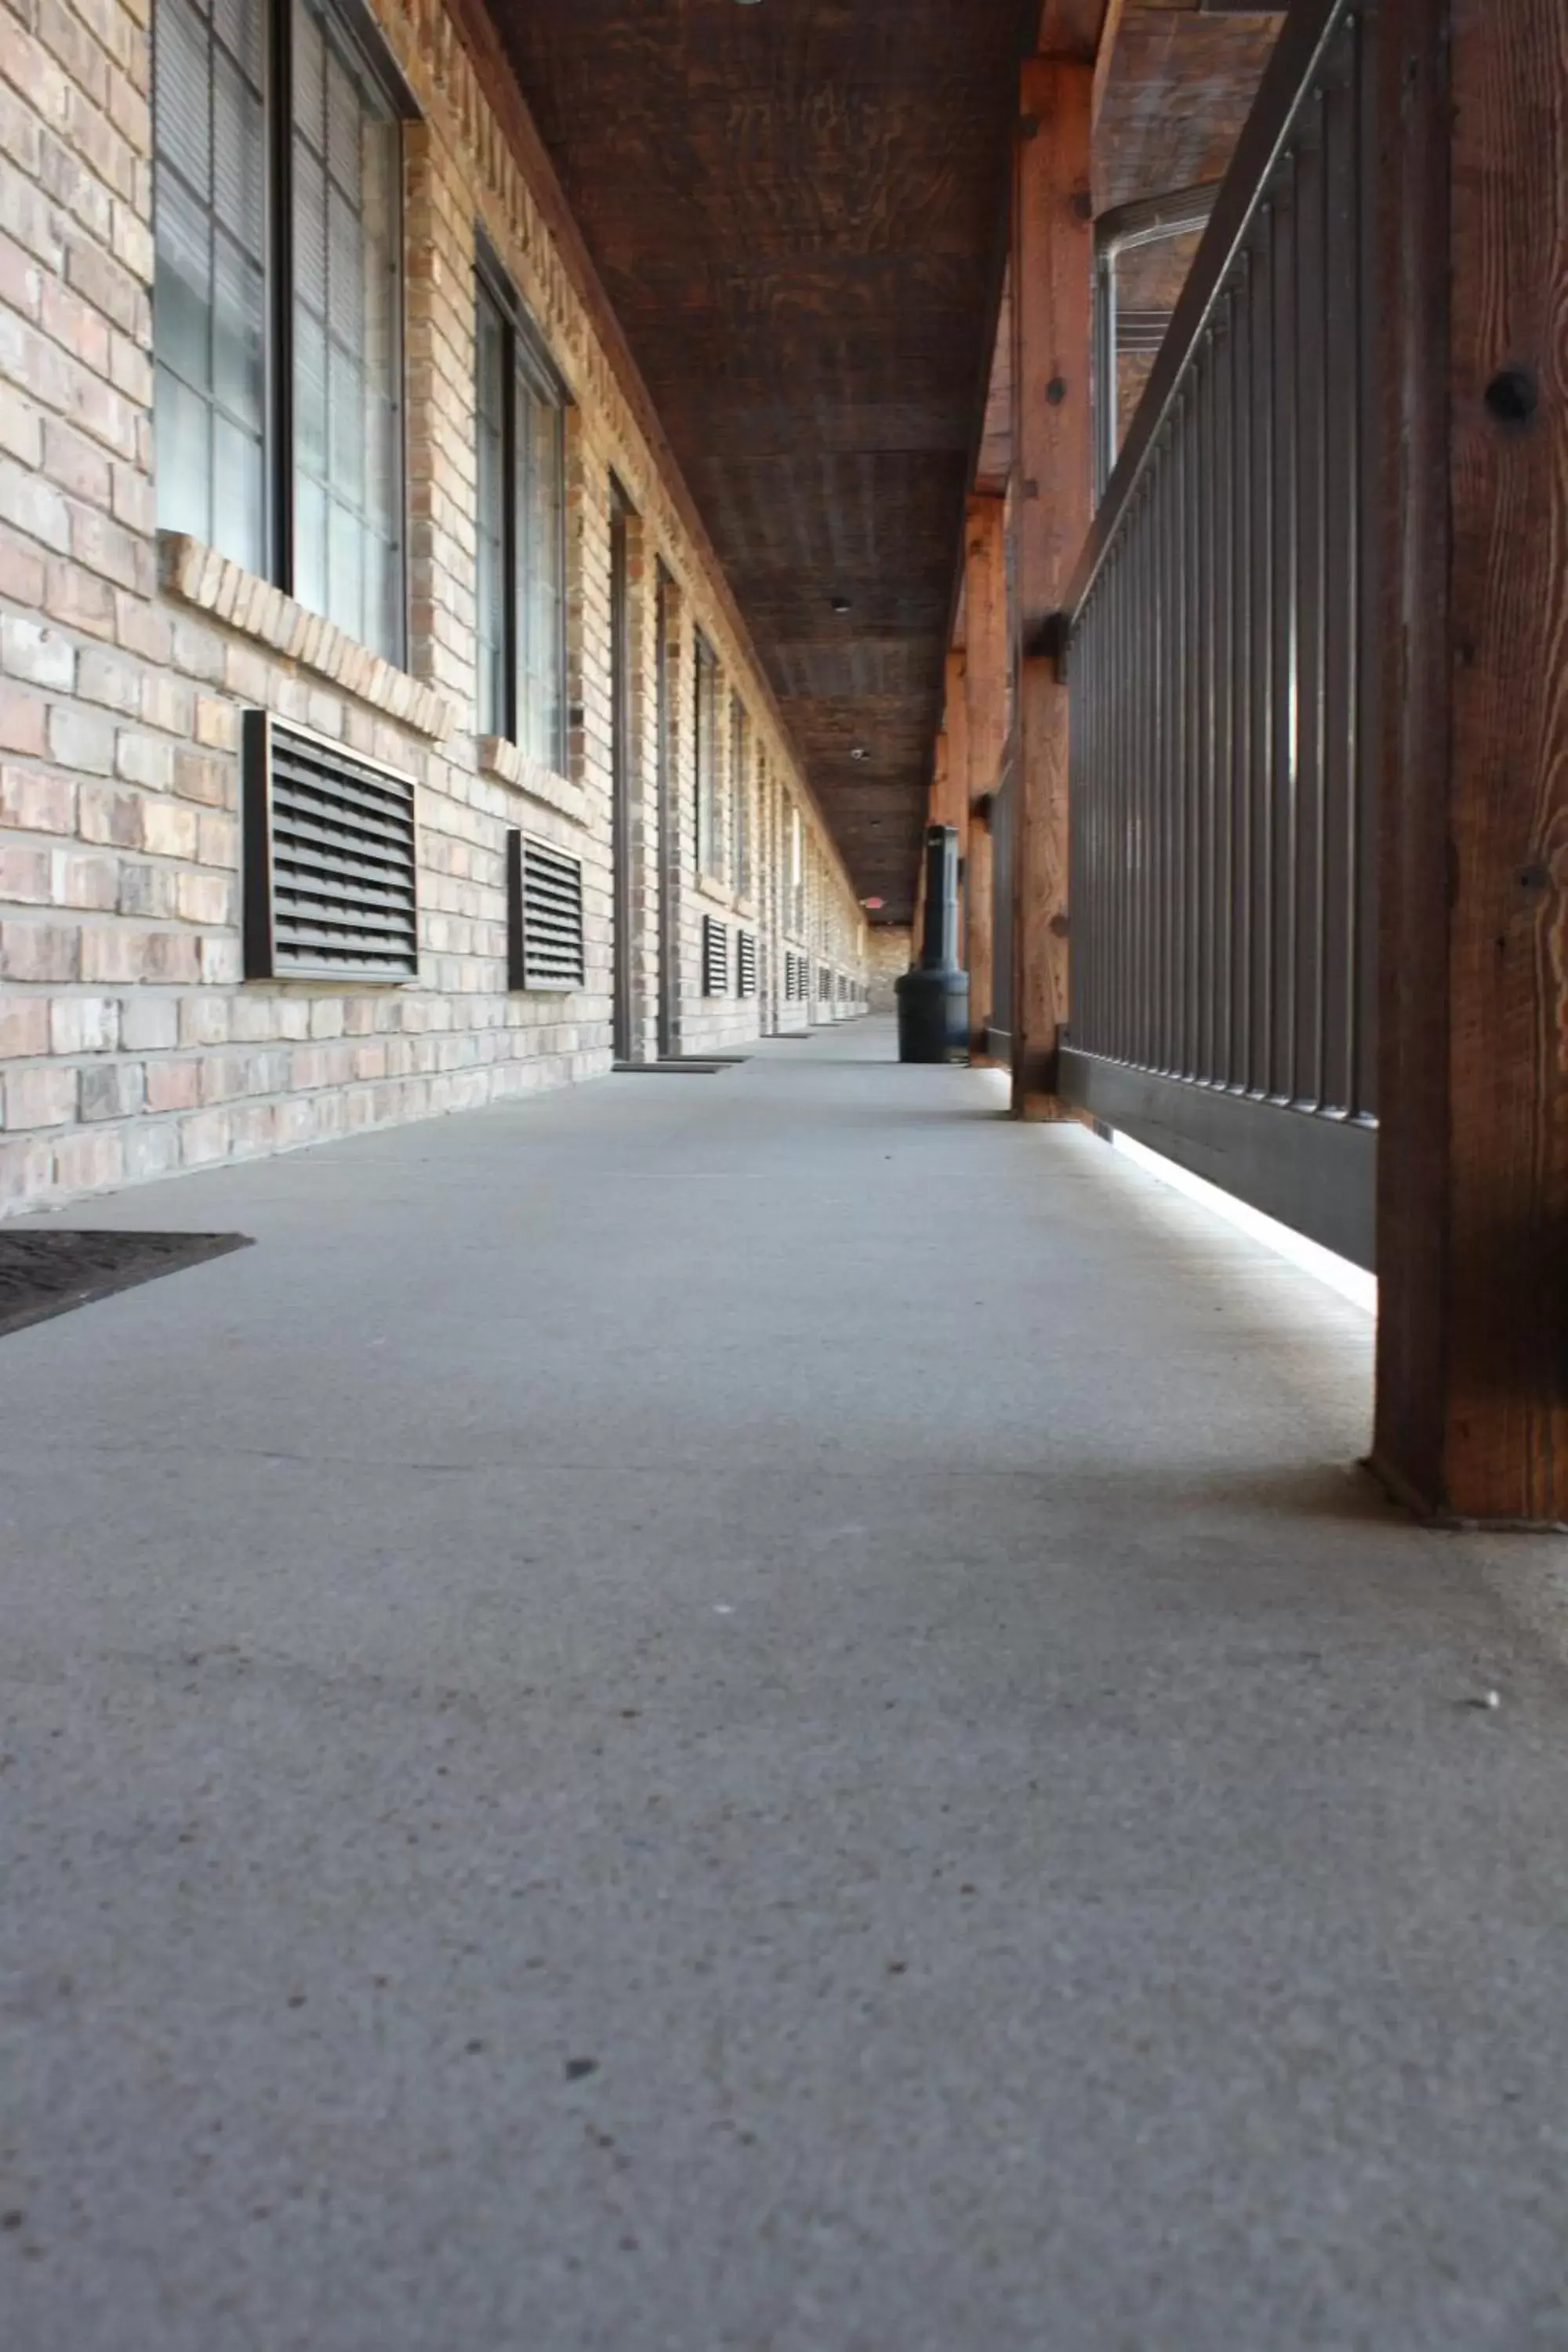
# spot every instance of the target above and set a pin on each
(955, 726)
(1472, 1387)
(986, 659)
(1053, 260)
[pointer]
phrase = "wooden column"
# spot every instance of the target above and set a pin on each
(1472, 1387)
(985, 657)
(956, 728)
(1053, 259)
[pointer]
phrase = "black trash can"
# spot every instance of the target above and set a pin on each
(934, 996)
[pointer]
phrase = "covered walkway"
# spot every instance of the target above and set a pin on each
(758, 1711)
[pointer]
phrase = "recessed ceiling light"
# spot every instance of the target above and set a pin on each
(839, 603)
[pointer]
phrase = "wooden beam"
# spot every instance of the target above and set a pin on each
(1053, 257)
(1074, 28)
(985, 658)
(1105, 52)
(1472, 1384)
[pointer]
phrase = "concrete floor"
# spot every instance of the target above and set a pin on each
(758, 1712)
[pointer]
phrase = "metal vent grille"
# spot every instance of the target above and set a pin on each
(331, 858)
(746, 963)
(544, 916)
(823, 983)
(715, 958)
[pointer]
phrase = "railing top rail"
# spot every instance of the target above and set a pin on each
(1149, 218)
(1291, 74)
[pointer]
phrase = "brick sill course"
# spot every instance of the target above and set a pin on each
(502, 760)
(246, 602)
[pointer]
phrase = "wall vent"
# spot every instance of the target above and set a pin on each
(330, 859)
(544, 916)
(745, 963)
(715, 958)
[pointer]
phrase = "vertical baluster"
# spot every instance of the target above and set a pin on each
(1124, 707)
(1283, 753)
(1305, 1080)
(1203, 693)
(1342, 617)
(1363, 771)
(1154, 881)
(1138, 544)
(1223, 470)
(1260, 753)
(1170, 642)
(1082, 871)
(1242, 589)
(1192, 754)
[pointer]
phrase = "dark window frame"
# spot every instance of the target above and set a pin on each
(352, 24)
(525, 354)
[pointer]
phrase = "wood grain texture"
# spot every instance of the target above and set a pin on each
(1473, 1234)
(1174, 92)
(797, 212)
(986, 658)
(1052, 279)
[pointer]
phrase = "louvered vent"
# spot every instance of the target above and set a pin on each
(544, 916)
(823, 983)
(715, 958)
(330, 859)
(746, 963)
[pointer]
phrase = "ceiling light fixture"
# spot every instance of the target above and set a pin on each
(858, 751)
(839, 603)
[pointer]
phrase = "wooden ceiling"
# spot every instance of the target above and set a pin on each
(797, 209)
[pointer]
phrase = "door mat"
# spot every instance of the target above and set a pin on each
(44, 1274)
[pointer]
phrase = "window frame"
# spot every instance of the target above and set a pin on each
(740, 749)
(524, 354)
(351, 24)
(705, 746)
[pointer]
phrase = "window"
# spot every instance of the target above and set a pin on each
(278, 301)
(210, 170)
(707, 750)
(739, 798)
(797, 911)
(521, 584)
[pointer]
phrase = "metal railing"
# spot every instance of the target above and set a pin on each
(1131, 228)
(1216, 645)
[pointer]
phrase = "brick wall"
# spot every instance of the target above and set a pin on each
(888, 953)
(130, 1044)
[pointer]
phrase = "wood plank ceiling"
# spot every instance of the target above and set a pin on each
(797, 209)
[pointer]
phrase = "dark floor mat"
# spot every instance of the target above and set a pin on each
(44, 1274)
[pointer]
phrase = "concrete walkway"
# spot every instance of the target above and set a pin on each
(758, 1713)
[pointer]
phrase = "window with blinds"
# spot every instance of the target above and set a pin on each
(544, 917)
(210, 297)
(346, 164)
(278, 422)
(521, 578)
(707, 758)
